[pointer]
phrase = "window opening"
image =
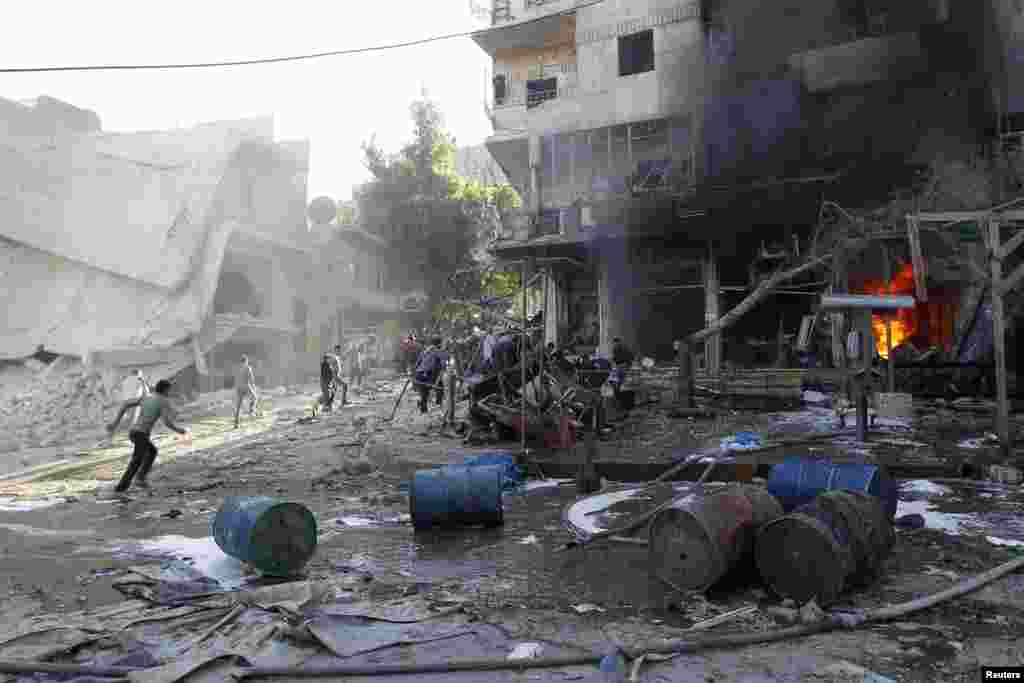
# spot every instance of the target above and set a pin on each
(636, 53)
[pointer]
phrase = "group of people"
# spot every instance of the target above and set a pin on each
(333, 369)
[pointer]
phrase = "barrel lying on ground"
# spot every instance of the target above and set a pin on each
(839, 541)
(274, 536)
(797, 481)
(457, 495)
(700, 538)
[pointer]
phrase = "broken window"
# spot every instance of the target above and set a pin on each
(540, 90)
(636, 53)
(650, 153)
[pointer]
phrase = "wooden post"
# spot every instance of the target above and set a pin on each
(888, 322)
(861, 391)
(522, 364)
(999, 331)
(712, 311)
(685, 389)
(917, 258)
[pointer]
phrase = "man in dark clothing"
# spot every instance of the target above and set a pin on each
(152, 408)
(622, 358)
(428, 370)
(327, 379)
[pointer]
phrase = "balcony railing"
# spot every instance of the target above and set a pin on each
(517, 93)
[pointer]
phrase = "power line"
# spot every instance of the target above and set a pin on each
(290, 58)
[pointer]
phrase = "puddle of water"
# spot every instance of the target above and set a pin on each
(202, 554)
(951, 523)
(925, 487)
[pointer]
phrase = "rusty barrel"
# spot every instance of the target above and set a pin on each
(839, 541)
(700, 538)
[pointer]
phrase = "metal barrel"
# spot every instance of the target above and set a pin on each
(701, 538)
(457, 495)
(819, 550)
(798, 481)
(274, 536)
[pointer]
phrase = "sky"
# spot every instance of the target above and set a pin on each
(336, 103)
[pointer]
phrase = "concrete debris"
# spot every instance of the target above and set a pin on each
(64, 401)
(811, 613)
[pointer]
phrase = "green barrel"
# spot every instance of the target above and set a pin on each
(272, 535)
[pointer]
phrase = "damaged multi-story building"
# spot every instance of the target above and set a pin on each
(666, 151)
(172, 251)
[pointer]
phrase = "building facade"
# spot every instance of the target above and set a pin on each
(172, 251)
(661, 146)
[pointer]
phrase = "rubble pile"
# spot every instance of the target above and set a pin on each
(44, 405)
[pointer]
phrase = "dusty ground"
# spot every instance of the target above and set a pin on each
(66, 540)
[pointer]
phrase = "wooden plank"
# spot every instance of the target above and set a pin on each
(964, 216)
(999, 330)
(1011, 281)
(917, 257)
(1011, 245)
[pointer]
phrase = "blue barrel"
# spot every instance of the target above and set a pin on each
(457, 495)
(274, 536)
(798, 481)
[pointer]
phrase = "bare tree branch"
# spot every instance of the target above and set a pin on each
(755, 297)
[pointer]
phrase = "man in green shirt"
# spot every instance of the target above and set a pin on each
(151, 408)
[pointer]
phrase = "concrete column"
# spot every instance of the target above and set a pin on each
(712, 311)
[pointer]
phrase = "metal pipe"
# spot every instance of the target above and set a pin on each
(887, 303)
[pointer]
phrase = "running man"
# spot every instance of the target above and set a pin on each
(245, 388)
(155, 407)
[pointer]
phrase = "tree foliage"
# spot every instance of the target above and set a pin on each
(416, 200)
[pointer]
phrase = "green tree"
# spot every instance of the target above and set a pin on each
(438, 220)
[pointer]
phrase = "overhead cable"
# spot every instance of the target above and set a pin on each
(291, 58)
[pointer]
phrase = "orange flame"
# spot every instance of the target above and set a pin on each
(904, 323)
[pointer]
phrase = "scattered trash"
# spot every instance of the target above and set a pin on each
(816, 397)
(526, 651)
(1004, 474)
(529, 540)
(811, 613)
(945, 573)
(172, 514)
(783, 614)
(742, 441)
(586, 608)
